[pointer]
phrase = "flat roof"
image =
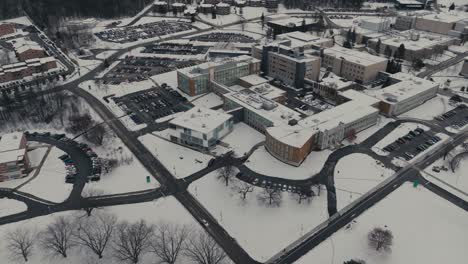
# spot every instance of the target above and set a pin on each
(202, 69)
(13, 155)
(336, 82)
(426, 39)
(11, 141)
(354, 56)
(290, 21)
(447, 18)
(201, 119)
(407, 87)
(409, 2)
(359, 105)
(253, 79)
(278, 114)
(268, 91)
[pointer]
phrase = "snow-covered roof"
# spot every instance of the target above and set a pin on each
(360, 105)
(445, 17)
(21, 45)
(292, 21)
(276, 113)
(201, 119)
(268, 91)
(426, 39)
(223, 5)
(361, 58)
(13, 155)
(298, 38)
(202, 69)
(253, 79)
(11, 141)
(407, 87)
(335, 81)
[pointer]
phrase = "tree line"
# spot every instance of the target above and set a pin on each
(45, 11)
(104, 237)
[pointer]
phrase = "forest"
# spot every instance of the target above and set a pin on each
(41, 11)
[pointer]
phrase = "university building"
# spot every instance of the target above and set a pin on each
(14, 162)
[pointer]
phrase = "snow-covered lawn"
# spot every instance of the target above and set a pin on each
(10, 206)
(455, 182)
(355, 175)
(243, 138)
(262, 231)
(209, 100)
(398, 132)
(164, 209)
(263, 162)
(35, 156)
(430, 109)
(426, 229)
(50, 182)
(177, 159)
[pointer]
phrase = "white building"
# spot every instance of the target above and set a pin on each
(378, 24)
(406, 92)
(201, 128)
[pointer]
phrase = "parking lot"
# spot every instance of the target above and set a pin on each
(411, 144)
(149, 105)
(144, 31)
(456, 118)
(224, 37)
(133, 69)
(175, 49)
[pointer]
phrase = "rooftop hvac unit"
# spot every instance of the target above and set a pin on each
(292, 122)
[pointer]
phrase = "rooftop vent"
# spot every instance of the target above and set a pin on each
(292, 122)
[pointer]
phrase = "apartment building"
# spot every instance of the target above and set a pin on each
(28, 68)
(404, 93)
(201, 128)
(27, 49)
(7, 28)
(197, 79)
(353, 65)
(14, 162)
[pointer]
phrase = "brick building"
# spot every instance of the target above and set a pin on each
(7, 28)
(14, 162)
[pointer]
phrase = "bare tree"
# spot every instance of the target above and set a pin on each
(270, 196)
(355, 261)
(301, 196)
(95, 232)
(202, 249)
(131, 241)
(226, 174)
(380, 238)
(88, 205)
(168, 241)
(243, 188)
(20, 243)
(57, 238)
(96, 134)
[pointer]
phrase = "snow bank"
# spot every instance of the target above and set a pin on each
(9, 207)
(243, 138)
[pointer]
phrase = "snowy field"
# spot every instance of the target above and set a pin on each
(263, 162)
(430, 109)
(50, 182)
(450, 78)
(355, 175)
(9, 207)
(455, 182)
(420, 222)
(243, 138)
(35, 156)
(261, 230)
(161, 210)
(177, 159)
(398, 132)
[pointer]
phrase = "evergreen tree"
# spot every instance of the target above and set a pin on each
(401, 52)
(452, 7)
(377, 46)
(388, 52)
(303, 27)
(353, 36)
(347, 45)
